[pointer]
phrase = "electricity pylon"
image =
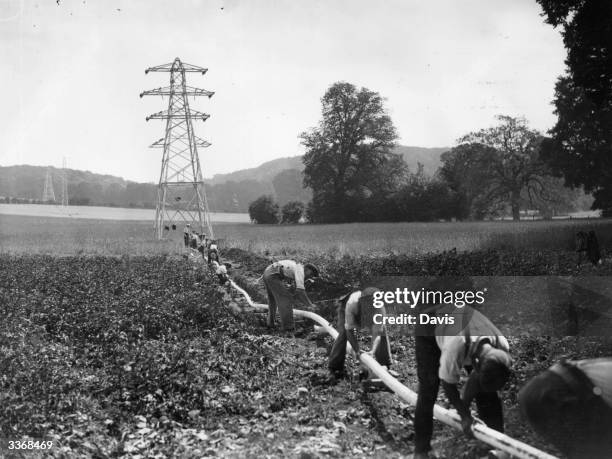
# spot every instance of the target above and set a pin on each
(181, 196)
(64, 184)
(48, 194)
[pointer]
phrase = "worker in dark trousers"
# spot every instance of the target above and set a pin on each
(285, 283)
(193, 241)
(588, 243)
(570, 405)
(186, 236)
(202, 244)
(472, 343)
(355, 312)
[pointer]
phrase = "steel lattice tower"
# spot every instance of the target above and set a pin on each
(181, 196)
(48, 194)
(64, 184)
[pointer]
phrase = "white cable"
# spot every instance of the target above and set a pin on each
(481, 431)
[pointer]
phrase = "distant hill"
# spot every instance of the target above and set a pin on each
(226, 192)
(429, 157)
(262, 173)
(84, 187)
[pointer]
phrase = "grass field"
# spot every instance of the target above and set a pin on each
(409, 238)
(65, 236)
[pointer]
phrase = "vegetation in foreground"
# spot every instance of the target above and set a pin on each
(111, 356)
(118, 355)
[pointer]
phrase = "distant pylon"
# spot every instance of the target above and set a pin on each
(181, 196)
(64, 184)
(48, 194)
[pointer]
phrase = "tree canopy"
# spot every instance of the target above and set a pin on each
(348, 160)
(497, 167)
(292, 212)
(581, 145)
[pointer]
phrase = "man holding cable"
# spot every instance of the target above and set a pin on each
(442, 351)
(285, 283)
(355, 312)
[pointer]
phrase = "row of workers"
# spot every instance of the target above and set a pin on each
(569, 404)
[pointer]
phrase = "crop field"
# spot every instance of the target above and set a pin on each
(113, 345)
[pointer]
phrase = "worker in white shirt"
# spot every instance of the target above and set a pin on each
(355, 312)
(570, 405)
(282, 279)
(213, 251)
(441, 352)
(220, 271)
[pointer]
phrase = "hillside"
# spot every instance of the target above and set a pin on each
(226, 192)
(262, 173)
(84, 187)
(429, 157)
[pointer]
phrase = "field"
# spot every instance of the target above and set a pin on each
(113, 345)
(64, 236)
(389, 239)
(103, 213)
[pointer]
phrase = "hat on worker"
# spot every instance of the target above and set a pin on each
(494, 370)
(313, 269)
(369, 291)
(366, 297)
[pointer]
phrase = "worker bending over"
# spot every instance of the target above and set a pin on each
(355, 312)
(202, 243)
(570, 405)
(213, 252)
(285, 283)
(220, 271)
(194, 239)
(472, 343)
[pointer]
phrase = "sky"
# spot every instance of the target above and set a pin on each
(72, 73)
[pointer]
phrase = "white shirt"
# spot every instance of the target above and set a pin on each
(352, 313)
(453, 345)
(292, 270)
(354, 316)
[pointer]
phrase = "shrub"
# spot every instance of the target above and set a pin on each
(292, 212)
(264, 210)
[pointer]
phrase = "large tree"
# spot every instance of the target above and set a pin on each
(348, 156)
(581, 145)
(498, 166)
(465, 169)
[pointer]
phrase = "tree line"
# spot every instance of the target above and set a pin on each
(355, 176)
(24, 185)
(499, 170)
